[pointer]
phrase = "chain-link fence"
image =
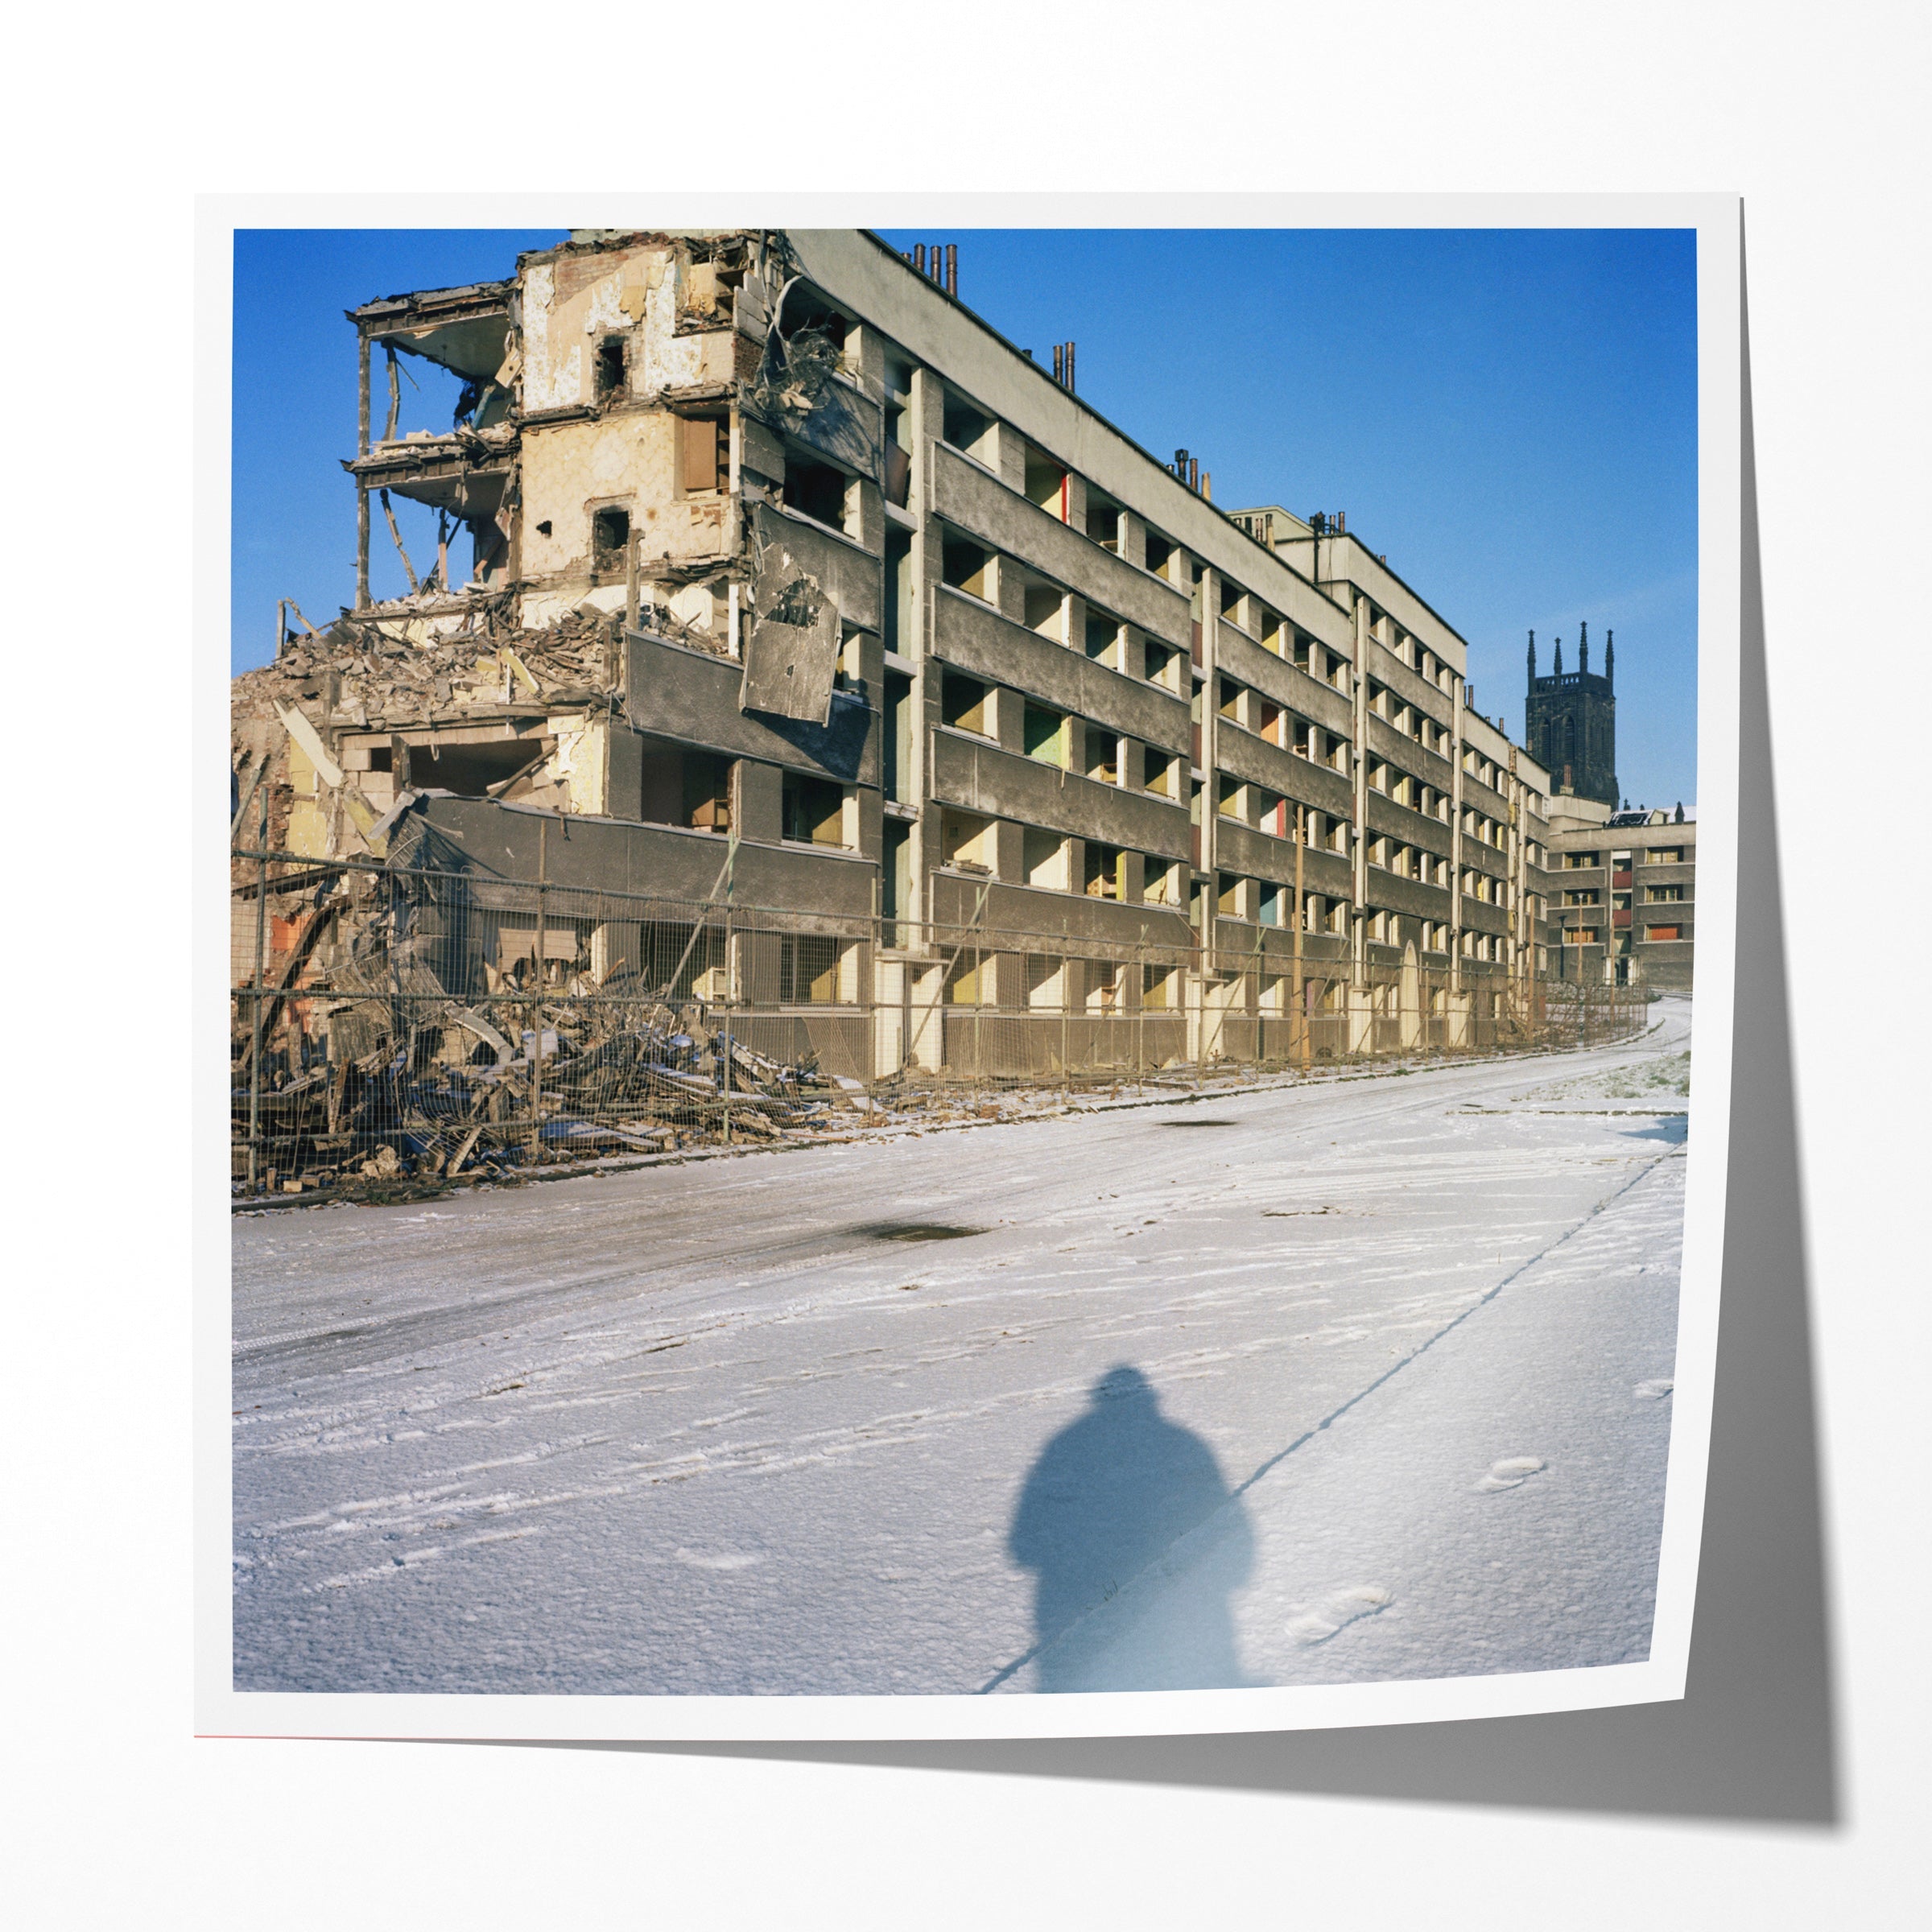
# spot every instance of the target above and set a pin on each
(396, 1022)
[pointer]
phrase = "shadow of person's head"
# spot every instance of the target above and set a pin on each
(1124, 1497)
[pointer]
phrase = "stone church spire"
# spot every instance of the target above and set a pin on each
(1533, 660)
(1583, 649)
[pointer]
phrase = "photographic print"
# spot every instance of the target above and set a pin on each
(960, 969)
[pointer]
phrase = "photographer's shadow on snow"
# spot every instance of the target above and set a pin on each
(1121, 1601)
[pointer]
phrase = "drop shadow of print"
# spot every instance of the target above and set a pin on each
(1110, 1497)
(1755, 1735)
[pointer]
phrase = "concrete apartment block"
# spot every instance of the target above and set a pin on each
(867, 587)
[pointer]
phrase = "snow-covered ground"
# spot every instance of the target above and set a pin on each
(1367, 1377)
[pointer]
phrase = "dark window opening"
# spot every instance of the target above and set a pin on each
(965, 567)
(898, 457)
(814, 811)
(897, 746)
(963, 426)
(808, 970)
(895, 880)
(609, 537)
(1043, 733)
(610, 366)
(963, 703)
(815, 489)
(469, 770)
(898, 593)
(689, 788)
(1102, 868)
(1159, 553)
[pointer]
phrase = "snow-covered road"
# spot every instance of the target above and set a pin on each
(1368, 1378)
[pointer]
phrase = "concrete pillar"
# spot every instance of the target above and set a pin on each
(1410, 994)
(758, 801)
(923, 1003)
(1361, 1018)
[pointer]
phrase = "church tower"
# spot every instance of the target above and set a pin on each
(1571, 722)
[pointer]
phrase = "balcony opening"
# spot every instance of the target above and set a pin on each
(965, 428)
(1045, 858)
(967, 566)
(1103, 520)
(966, 841)
(686, 788)
(1103, 640)
(962, 703)
(1045, 734)
(808, 970)
(814, 811)
(1101, 874)
(1045, 483)
(1046, 610)
(1163, 665)
(816, 491)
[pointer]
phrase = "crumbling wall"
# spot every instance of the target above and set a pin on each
(574, 468)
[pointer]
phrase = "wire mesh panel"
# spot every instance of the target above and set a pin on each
(396, 1021)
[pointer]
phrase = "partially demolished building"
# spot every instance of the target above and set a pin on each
(853, 672)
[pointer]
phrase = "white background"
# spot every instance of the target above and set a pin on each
(118, 1815)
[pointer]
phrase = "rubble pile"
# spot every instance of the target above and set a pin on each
(407, 662)
(442, 1090)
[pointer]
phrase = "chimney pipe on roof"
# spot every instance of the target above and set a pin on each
(952, 268)
(1194, 473)
(919, 256)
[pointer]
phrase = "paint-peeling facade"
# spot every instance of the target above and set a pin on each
(774, 542)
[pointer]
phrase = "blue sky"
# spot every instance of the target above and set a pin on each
(1510, 416)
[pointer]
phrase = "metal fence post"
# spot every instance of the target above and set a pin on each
(536, 1062)
(255, 1051)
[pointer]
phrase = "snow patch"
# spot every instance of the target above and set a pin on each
(717, 1559)
(1512, 1472)
(1337, 1613)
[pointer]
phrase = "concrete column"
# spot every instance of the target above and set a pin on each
(926, 417)
(1409, 999)
(1010, 850)
(1457, 705)
(1076, 501)
(758, 801)
(1361, 1014)
(1358, 693)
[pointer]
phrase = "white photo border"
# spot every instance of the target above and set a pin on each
(221, 1711)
